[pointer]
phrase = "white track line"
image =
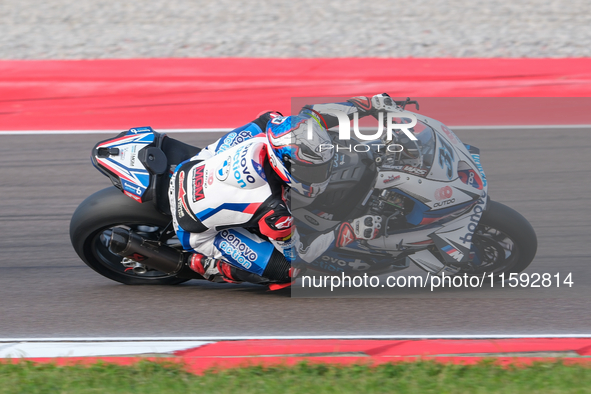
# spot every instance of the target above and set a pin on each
(242, 338)
(93, 349)
(225, 130)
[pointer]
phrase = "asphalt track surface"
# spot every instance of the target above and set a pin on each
(47, 291)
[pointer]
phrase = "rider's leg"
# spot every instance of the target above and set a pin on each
(248, 256)
(245, 253)
(238, 247)
(219, 270)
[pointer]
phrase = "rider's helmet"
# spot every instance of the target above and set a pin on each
(301, 153)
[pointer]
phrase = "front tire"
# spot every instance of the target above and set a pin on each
(504, 242)
(91, 225)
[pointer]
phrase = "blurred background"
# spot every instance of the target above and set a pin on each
(93, 29)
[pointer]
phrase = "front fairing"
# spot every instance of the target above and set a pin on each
(437, 170)
(445, 184)
(437, 154)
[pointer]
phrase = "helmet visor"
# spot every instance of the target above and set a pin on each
(308, 175)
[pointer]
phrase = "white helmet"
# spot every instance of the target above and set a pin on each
(301, 153)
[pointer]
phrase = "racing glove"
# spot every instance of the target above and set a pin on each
(366, 227)
(378, 103)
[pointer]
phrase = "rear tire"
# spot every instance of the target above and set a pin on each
(89, 229)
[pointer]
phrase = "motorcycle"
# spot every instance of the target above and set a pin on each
(430, 193)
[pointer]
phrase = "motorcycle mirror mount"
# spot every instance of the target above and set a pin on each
(404, 103)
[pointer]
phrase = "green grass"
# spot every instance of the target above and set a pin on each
(419, 377)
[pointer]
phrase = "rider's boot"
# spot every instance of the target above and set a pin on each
(221, 271)
(207, 267)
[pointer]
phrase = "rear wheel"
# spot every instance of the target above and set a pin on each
(91, 227)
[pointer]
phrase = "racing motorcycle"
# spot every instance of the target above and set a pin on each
(430, 193)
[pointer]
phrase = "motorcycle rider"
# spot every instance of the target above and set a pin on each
(242, 181)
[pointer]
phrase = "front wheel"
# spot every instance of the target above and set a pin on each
(504, 242)
(90, 231)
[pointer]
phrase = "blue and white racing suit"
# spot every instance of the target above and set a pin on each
(227, 203)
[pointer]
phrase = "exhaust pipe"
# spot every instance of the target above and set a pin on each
(153, 254)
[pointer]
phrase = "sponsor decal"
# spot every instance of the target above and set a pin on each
(128, 194)
(444, 203)
(133, 155)
(338, 160)
(476, 159)
(324, 215)
(358, 265)
(137, 130)
(327, 266)
(363, 102)
(474, 219)
(311, 220)
(334, 260)
(182, 193)
(446, 157)
(290, 254)
(232, 139)
(198, 193)
(392, 178)
(235, 248)
(280, 169)
(210, 179)
(273, 160)
(470, 178)
(227, 143)
(223, 171)
(284, 222)
(345, 235)
(240, 167)
(278, 119)
(334, 264)
(413, 170)
(288, 247)
(453, 252)
(137, 257)
(132, 188)
(259, 169)
(443, 193)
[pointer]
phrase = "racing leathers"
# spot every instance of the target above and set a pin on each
(227, 202)
(230, 208)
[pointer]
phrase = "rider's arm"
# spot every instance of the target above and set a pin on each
(361, 105)
(364, 228)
